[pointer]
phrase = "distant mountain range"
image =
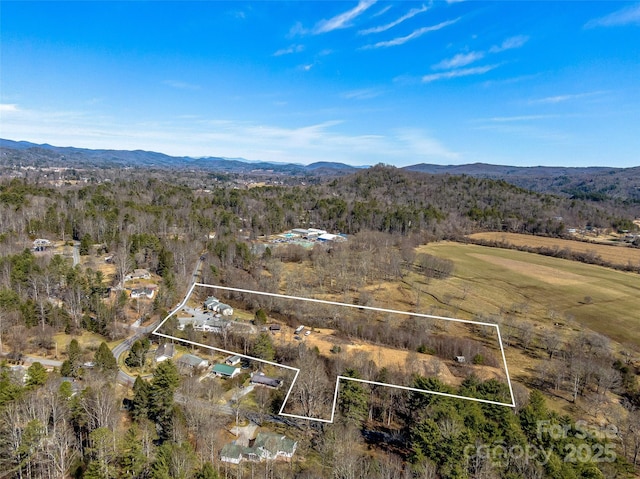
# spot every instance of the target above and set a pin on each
(596, 183)
(592, 183)
(26, 153)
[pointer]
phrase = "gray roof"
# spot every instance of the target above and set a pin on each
(191, 360)
(275, 443)
(267, 445)
(232, 451)
(166, 349)
(265, 381)
(211, 300)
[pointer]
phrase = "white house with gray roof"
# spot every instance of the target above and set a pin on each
(213, 304)
(266, 446)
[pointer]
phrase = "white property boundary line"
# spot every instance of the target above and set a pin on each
(335, 394)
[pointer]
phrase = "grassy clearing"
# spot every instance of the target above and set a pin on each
(86, 340)
(545, 289)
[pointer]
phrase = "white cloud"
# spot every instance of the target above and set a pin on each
(510, 119)
(383, 11)
(238, 14)
(459, 60)
(626, 16)
(564, 98)
(186, 135)
(510, 44)
(458, 73)
(510, 81)
(342, 20)
(383, 28)
(307, 67)
(363, 94)
(180, 85)
(412, 36)
(297, 30)
(8, 107)
(289, 50)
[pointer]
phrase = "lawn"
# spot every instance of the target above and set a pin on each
(545, 289)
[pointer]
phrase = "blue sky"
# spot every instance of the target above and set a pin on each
(503, 82)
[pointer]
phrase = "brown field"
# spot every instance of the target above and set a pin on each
(618, 254)
(546, 274)
(386, 357)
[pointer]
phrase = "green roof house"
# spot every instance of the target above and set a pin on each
(225, 371)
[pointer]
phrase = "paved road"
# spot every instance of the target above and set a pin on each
(76, 253)
(51, 363)
(124, 346)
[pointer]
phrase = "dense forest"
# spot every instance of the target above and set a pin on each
(80, 421)
(109, 204)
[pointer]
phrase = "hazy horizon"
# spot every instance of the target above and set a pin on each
(360, 83)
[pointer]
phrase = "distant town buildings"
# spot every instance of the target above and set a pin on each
(306, 237)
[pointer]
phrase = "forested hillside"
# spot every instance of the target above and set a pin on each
(380, 199)
(592, 183)
(94, 424)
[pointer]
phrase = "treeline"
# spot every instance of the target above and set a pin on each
(170, 427)
(588, 257)
(381, 198)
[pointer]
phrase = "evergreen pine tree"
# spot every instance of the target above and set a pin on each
(132, 460)
(163, 386)
(36, 375)
(104, 359)
(141, 391)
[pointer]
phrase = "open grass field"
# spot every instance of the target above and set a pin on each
(616, 254)
(550, 291)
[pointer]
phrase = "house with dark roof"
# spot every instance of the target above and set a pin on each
(262, 380)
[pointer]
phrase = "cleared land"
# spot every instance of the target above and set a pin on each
(552, 292)
(620, 255)
(386, 357)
